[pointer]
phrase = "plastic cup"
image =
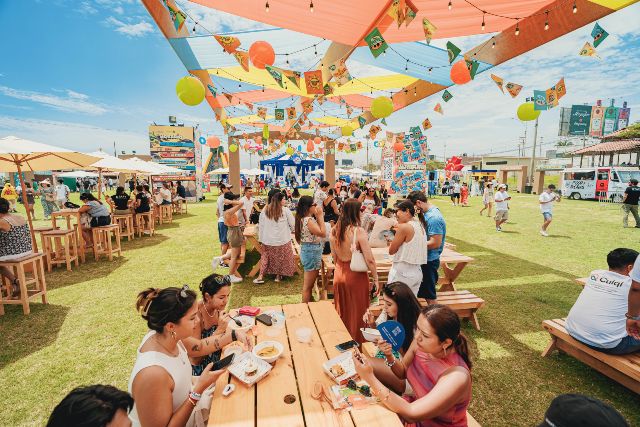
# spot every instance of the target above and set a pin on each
(303, 335)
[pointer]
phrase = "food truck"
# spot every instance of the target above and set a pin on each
(606, 182)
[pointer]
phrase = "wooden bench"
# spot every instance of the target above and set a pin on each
(370, 350)
(624, 369)
(464, 303)
(582, 281)
(21, 267)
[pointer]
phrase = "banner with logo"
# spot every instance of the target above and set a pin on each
(579, 120)
(597, 114)
(172, 146)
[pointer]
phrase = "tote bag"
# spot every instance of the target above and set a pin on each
(358, 263)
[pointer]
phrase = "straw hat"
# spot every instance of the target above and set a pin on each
(45, 181)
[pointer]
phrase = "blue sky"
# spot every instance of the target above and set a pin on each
(83, 74)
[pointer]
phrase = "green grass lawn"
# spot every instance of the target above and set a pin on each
(89, 332)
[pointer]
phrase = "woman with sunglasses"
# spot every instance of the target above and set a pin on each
(370, 199)
(160, 382)
(210, 335)
(408, 247)
(436, 367)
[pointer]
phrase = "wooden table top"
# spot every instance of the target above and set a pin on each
(295, 374)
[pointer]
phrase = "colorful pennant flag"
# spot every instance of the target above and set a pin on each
(426, 124)
(513, 89)
(293, 76)
(429, 30)
(349, 111)
(291, 113)
(265, 133)
(177, 16)
(410, 14)
(383, 121)
(453, 52)
(415, 132)
(229, 97)
(313, 82)
(540, 100)
(499, 81)
(373, 131)
(599, 34)
(339, 72)
(438, 108)
(376, 42)
(307, 106)
(229, 44)
(276, 73)
(588, 50)
(472, 66)
(279, 114)
(212, 90)
(446, 96)
(242, 58)
(327, 89)
(397, 11)
(561, 89)
(551, 98)
(262, 113)
(362, 121)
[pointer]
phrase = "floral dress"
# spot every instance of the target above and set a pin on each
(49, 206)
(196, 370)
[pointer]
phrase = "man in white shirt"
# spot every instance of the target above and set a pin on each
(455, 196)
(222, 229)
(546, 200)
(62, 193)
(165, 192)
(502, 206)
(247, 206)
(597, 318)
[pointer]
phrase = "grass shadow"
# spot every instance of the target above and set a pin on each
(23, 335)
(143, 242)
(558, 236)
(92, 269)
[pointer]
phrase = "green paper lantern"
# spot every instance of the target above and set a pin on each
(381, 107)
(190, 90)
(527, 112)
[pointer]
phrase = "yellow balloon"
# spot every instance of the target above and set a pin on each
(190, 90)
(527, 112)
(233, 148)
(347, 130)
(289, 151)
(381, 107)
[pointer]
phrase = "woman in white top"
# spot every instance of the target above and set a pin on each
(370, 199)
(276, 225)
(381, 232)
(487, 198)
(160, 382)
(409, 248)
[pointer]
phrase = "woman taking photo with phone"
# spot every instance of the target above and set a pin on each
(309, 231)
(160, 382)
(436, 367)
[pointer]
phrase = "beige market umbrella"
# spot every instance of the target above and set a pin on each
(22, 155)
(111, 163)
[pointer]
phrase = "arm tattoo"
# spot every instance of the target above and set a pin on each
(196, 347)
(216, 344)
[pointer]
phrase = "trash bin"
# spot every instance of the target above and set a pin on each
(528, 189)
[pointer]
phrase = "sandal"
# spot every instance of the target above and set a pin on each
(15, 289)
(258, 281)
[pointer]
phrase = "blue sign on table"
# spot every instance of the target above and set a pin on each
(393, 333)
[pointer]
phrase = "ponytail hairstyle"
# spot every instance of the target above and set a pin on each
(408, 309)
(419, 196)
(89, 197)
(161, 306)
(304, 205)
(212, 284)
(446, 323)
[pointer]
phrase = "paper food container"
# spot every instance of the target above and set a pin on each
(241, 362)
(341, 368)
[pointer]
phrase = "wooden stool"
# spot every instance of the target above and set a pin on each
(143, 226)
(126, 225)
(80, 243)
(183, 206)
(33, 262)
(176, 208)
(102, 241)
(60, 247)
(165, 214)
(39, 230)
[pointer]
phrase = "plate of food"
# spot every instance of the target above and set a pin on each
(352, 395)
(249, 369)
(269, 351)
(370, 334)
(341, 368)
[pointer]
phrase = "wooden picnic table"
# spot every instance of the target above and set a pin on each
(293, 377)
(582, 281)
(67, 215)
(251, 236)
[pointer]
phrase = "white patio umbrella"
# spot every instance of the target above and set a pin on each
(78, 174)
(21, 155)
(220, 171)
(255, 172)
(317, 172)
(111, 163)
(357, 171)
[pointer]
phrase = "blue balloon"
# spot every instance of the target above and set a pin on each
(202, 140)
(393, 333)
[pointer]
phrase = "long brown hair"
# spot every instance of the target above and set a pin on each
(350, 216)
(419, 196)
(304, 204)
(274, 208)
(446, 323)
(408, 308)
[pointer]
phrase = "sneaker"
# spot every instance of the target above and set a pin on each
(544, 233)
(215, 262)
(498, 229)
(235, 279)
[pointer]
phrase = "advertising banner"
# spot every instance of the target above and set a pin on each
(579, 119)
(597, 114)
(623, 117)
(610, 120)
(409, 171)
(173, 146)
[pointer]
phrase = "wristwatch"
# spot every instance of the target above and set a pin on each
(630, 317)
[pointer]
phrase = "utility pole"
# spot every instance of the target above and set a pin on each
(540, 153)
(115, 153)
(533, 153)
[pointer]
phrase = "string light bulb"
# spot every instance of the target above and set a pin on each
(575, 7)
(415, 91)
(287, 58)
(311, 6)
(546, 22)
(517, 28)
(483, 26)
(430, 69)
(406, 66)
(266, 7)
(493, 44)
(450, 5)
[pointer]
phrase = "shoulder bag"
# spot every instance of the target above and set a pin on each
(358, 263)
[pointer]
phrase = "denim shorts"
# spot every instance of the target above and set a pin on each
(311, 256)
(547, 216)
(222, 232)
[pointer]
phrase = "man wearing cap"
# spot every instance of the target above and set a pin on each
(222, 229)
(577, 410)
(546, 200)
(502, 206)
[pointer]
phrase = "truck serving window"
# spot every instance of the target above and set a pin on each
(580, 176)
(603, 175)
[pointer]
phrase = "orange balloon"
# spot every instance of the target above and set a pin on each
(310, 146)
(460, 73)
(317, 140)
(261, 53)
(213, 142)
(398, 146)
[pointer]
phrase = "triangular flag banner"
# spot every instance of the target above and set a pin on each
(349, 111)
(320, 100)
(242, 58)
(313, 82)
(229, 44)
(438, 108)
(275, 73)
(426, 124)
(588, 50)
(410, 14)
(429, 29)
(297, 127)
(339, 72)
(384, 122)
(415, 132)
(599, 34)
(291, 113)
(396, 11)
(561, 89)
(376, 42)
(373, 131)
(265, 133)
(472, 66)
(540, 100)
(327, 89)
(262, 113)
(229, 97)
(279, 114)
(212, 90)
(499, 81)
(513, 89)
(453, 52)
(307, 106)
(446, 96)
(362, 121)
(293, 76)
(551, 97)
(249, 106)
(177, 16)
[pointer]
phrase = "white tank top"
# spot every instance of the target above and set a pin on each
(178, 367)
(415, 250)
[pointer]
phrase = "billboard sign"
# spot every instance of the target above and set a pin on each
(173, 146)
(579, 120)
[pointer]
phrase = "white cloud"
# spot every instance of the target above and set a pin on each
(74, 102)
(139, 29)
(119, 10)
(216, 21)
(86, 8)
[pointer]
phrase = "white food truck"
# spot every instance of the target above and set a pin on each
(607, 182)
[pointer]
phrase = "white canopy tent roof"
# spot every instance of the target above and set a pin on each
(78, 174)
(114, 164)
(152, 168)
(317, 172)
(253, 172)
(219, 171)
